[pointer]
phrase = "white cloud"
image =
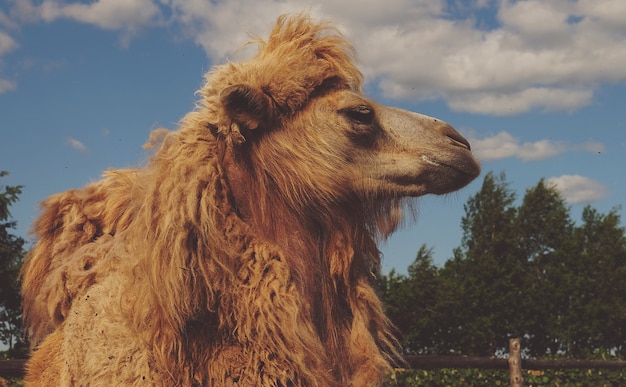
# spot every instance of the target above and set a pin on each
(578, 189)
(77, 145)
(500, 104)
(606, 14)
(126, 16)
(531, 54)
(538, 22)
(504, 145)
(543, 55)
(221, 27)
(107, 14)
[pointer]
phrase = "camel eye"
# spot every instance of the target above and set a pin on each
(361, 114)
(363, 128)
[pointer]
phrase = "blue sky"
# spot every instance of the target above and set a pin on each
(538, 87)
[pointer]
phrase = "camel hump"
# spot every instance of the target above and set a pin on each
(71, 223)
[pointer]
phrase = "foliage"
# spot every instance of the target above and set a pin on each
(419, 291)
(525, 271)
(532, 378)
(12, 382)
(450, 377)
(11, 256)
(485, 272)
(546, 244)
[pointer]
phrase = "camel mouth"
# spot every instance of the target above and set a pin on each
(447, 176)
(467, 168)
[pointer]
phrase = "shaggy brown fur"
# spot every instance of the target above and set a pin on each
(244, 252)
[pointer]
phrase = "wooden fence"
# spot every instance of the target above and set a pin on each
(514, 363)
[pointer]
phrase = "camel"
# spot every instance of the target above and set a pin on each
(244, 251)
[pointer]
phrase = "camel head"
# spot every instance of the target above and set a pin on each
(297, 123)
(355, 145)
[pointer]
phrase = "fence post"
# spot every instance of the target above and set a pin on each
(515, 363)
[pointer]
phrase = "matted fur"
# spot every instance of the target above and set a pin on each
(237, 256)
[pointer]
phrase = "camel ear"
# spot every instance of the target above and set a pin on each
(246, 105)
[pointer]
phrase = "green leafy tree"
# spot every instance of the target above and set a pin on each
(484, 276)
(595, 317)
(543, 221)
(396, 299)
(426, 298)
(11, 256)
(546, 243)
(526, 271)
(414, 304)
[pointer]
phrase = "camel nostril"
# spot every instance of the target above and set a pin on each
(460, 141)
(456, 138)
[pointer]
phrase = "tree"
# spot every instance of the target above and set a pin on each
(11, 256)
(543, 221)
(413, 304)
(425, 289)
(596, 302)
(527, 271)
(484, 274)
(546, 243)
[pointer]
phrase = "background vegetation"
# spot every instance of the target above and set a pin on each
(482, 378)
(526, 270)
(11, 256)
